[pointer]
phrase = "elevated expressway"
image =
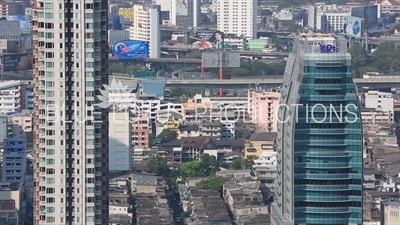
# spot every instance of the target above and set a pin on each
(384, 82)
(188, 48)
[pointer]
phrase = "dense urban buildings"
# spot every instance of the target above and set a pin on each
(70, 130)
(319, 154)
(172, 141)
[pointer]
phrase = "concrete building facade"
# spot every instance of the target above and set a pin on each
(146, 27)
(14, 160)
(263, 109)
(326, 18)
(70, 129)
(15, 96)
(120, 134)
(238, 17)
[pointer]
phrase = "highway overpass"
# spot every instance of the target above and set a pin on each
(276, 82)
(160, 60)
(188, 48)
(187, 61)
(386, 82)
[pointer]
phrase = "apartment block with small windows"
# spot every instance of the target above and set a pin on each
(238, 17)
(14, 160)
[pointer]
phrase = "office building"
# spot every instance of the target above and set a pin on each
(12, 8)
(14, 160)
(146, 27)
(70, 129)
(120, 141)
(185, 15)
(238, 17)
(327, 18)
(319, 155)
(117, 35)
(10, 30)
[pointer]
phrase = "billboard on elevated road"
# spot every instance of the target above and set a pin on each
(131, 49)
(206, 40)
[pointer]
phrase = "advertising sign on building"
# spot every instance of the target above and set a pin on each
(17, 62)
(203, 40)
(181, 8)
(25, 25)
(3, 44)
(353, 26)
(131, 49)
(380, 27)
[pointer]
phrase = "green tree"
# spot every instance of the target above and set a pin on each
(212, 183)
(236, 164)
(209, 164)
(177, 92)
(158, 165)
(241, 164)
(191, 169)
(386, 57)
(295, 28)
(266, 12)
(168, 135)
(359, 58)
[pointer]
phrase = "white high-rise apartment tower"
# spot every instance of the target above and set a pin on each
(238, 17)
(71, 133)
(146, 27)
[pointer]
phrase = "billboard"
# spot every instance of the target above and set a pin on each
(181, 7)
(380, 27)
(214, 41)
(352, 26)
(368, 13)
(24, 23)
(17, 62)
(131, 49)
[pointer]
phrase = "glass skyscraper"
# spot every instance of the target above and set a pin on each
(319, 137)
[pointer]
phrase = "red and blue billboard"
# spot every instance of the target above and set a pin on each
(131, 49)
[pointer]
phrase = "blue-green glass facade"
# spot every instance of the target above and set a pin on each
(321, 144)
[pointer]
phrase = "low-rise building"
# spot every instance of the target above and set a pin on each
(208, 207)
(20, 124)
(246, 199)
(266, 169)
(11, 203)
(187, 149)
(234, 173)
(144, 184)
(260, 143)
